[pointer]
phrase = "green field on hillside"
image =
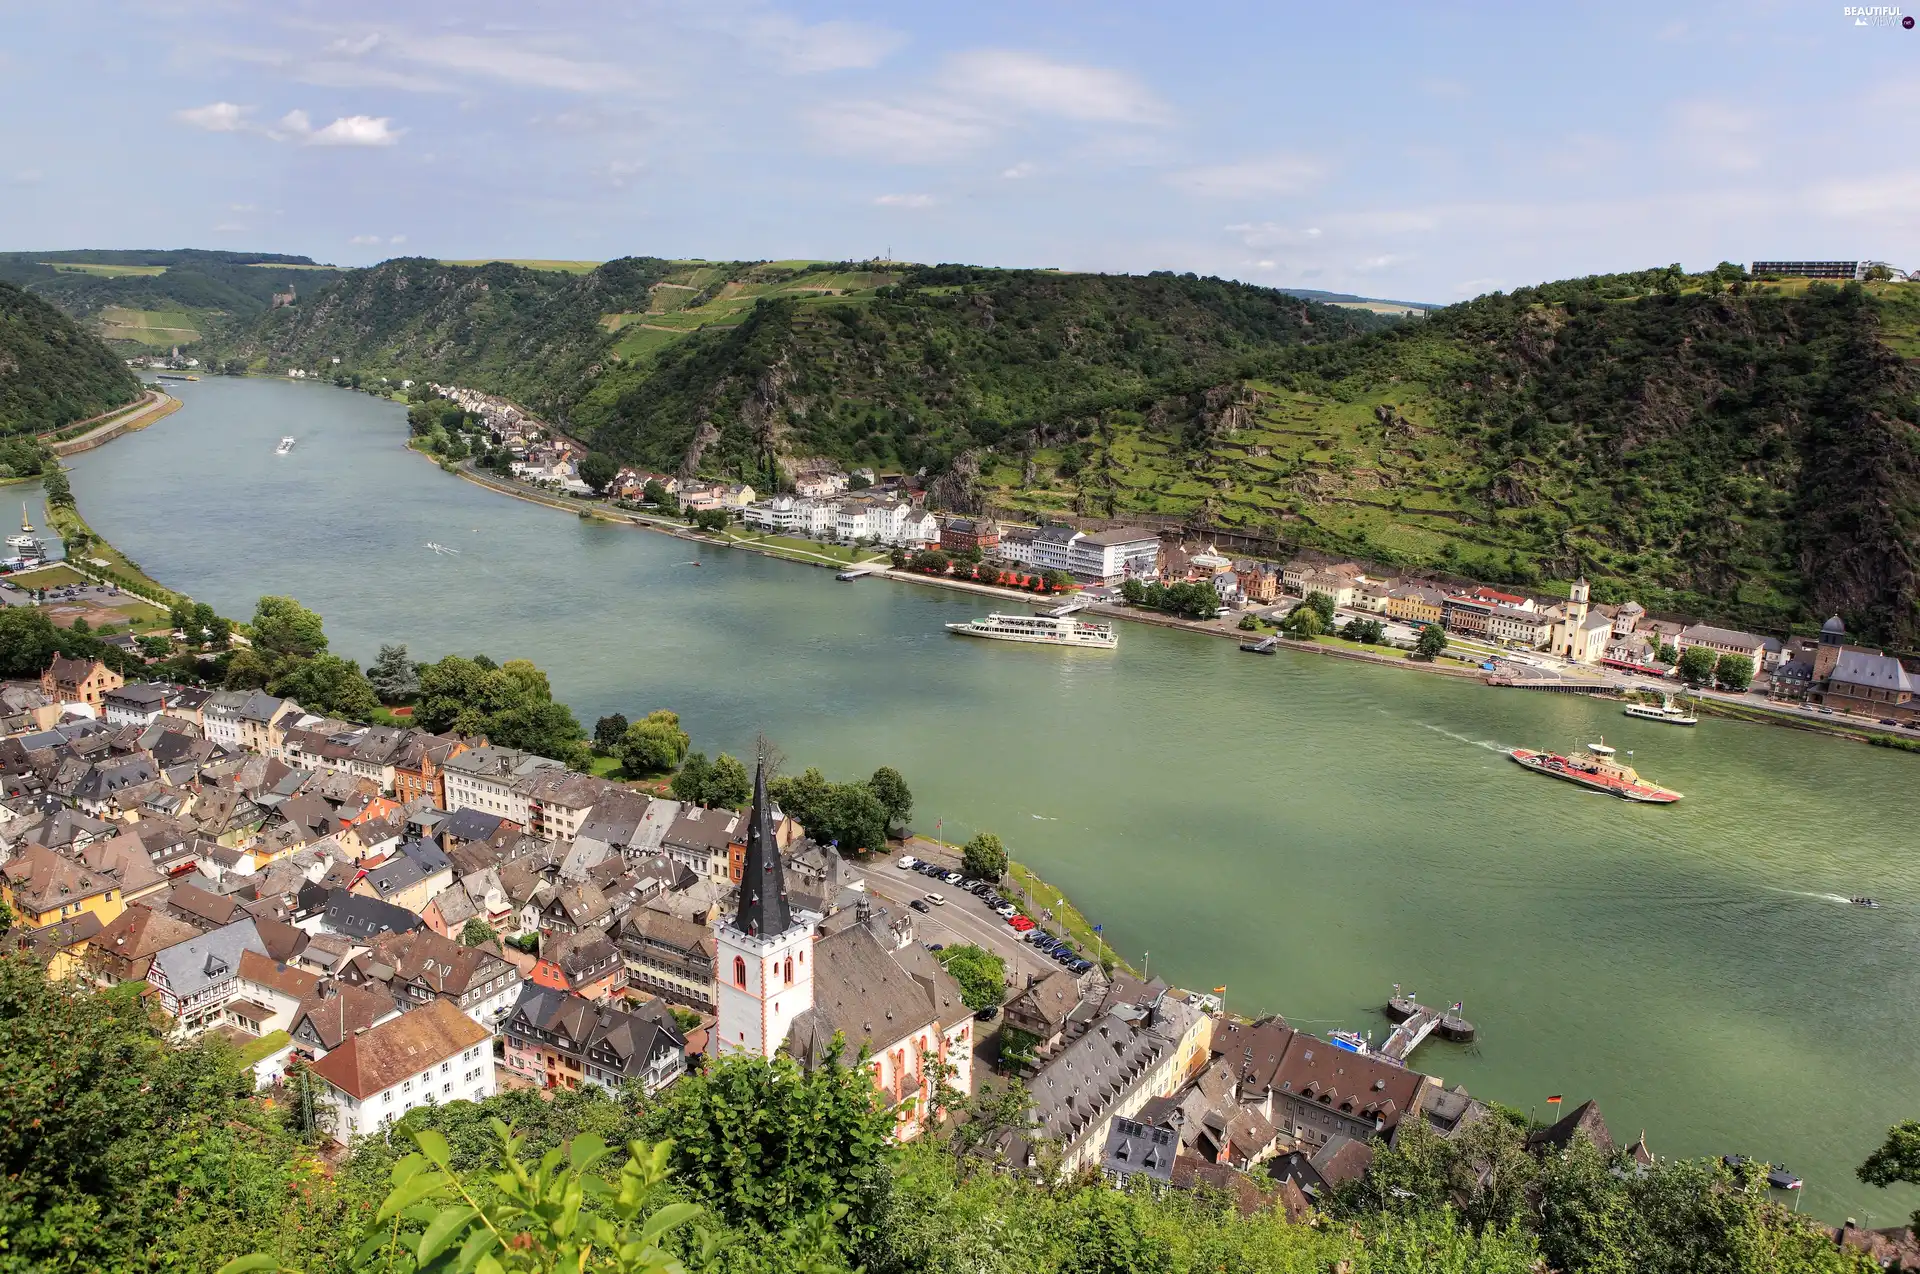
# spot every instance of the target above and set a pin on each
(530, 263)
(160, 328)
(105, 271)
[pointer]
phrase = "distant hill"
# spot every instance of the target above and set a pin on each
(1348, 298)
(153, 299)
(1706, 443)
(51, 371)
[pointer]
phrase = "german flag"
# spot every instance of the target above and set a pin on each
(1554, 1100)
(1219, 990)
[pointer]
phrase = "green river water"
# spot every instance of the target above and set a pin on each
(1306, 831)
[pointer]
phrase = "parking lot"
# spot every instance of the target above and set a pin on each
(963, 918)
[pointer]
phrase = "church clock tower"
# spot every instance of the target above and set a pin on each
(763, 959)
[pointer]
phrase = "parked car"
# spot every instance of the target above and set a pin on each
(1826, 712)
(938, 900)
(1006, 909)
(987, 1014)
(953, 878)
(1888, 721)
(1020, 923)
(907, 862)
(917, 905)
(936, 946)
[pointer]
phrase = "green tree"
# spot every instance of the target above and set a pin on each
(282, 626)
(247, 670)
(1667, 654)
(1059, 581)
(1734, 672)
(981, 974)
(598, 470)
(209, 628)
(1896, 1161)
(931, 562)
(1696, 665)
(689, 782)
(655, 744)
(1324, 605)
(28, 641)
(1433, 640)
(477, 932)
(728, 784)
(889, 787)
(326, 684)
(1303, 623)
(856, 820)
(768, 1144)
(1133, 591)
(655, 494)
(392, 675)
(984, 857)
(80, 626)
(511, 704)
(608, 731)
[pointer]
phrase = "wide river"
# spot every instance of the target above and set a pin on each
(1306, 831)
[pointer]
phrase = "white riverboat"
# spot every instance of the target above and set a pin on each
(1041, 630)
(286, 445)
(27, 542)
(1668, 711)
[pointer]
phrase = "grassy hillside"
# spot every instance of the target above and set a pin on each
(1749, 455)
(1709, 444)
(534, 334)
(51, 371)
(142, 299)
(840, 362)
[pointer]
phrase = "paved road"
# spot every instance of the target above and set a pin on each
(965, 918)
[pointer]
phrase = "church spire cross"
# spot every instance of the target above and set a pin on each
(763, 887)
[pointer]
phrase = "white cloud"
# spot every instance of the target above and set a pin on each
(978, 95)
(825, 46)
(910, 133)
(1475, 287)
(362, 240)
(906, 201)
(1380, 262)
(1029, 82)
(356, 130)
(215, 117)
(1272, 175)
(511, 61)
(1876, 196)
(355, 48)
(399, 238)
(1019, 170)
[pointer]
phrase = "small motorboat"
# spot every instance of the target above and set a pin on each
(1780, 1179)
(1349, 1041)
(1864, 902)
(1734, 1162)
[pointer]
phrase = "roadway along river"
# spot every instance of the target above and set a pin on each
(1307, 831)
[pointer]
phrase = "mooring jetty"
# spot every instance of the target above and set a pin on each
(1414, 1022)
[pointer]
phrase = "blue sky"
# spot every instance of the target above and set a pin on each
(1426, 152)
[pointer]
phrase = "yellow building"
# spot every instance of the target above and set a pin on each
(44, 888)
(1415, 604)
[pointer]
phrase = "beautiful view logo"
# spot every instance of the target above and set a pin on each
(1876, 15)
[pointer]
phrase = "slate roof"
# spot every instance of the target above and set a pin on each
(620, 1040)
(207, 959)
(414, 863)
(439, 964)
(469, 824)
(369, 1062)
(1705, 634)
(361, 917)
(763, 887)
(1878, 672)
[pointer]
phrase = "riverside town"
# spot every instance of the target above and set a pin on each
(829, 640)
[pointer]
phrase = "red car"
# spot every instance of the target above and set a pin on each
(1021, 923)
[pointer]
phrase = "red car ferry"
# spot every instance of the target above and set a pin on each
(1597, 768)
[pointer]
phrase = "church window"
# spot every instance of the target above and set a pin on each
(789, 970)
(739, 971)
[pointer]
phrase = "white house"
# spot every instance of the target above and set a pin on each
(489, 779)
(917, 528)
(1107, 556)
(1053, 548)
(853, 520)
(430, 1056)
(1016, 546)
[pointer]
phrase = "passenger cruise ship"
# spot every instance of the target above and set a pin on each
(1043, 630)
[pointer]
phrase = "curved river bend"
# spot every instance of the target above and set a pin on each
(1307, 831)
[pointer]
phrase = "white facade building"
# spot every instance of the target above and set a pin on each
(430, 1056)
(1108, 556)
(488, 779)
(1053, 548)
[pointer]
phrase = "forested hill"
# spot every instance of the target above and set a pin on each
(536, 335)
(51, 372)
(946, 360)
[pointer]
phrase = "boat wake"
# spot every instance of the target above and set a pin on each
(1842, 899)
(1478, 743)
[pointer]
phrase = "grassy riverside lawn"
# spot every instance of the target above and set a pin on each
(68, 523)
(1065, 915)
(55, 576)
(802, 550)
